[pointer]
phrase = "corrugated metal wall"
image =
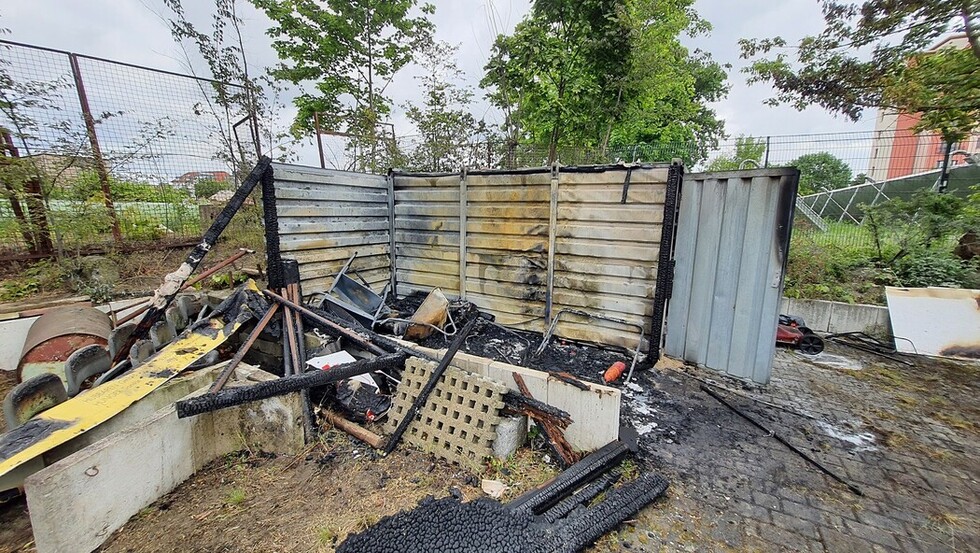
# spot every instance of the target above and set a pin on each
(733, 235)
(325, 216)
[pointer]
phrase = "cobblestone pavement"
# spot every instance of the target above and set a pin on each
(907, 437)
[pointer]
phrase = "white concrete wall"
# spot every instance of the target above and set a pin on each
(76, 503)
(594, 413)
(834, 317)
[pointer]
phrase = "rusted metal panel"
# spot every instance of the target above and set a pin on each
(55, 335)
(732, 239)
(327, 215)
(935, 321)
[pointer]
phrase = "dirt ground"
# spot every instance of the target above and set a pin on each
(311, 502)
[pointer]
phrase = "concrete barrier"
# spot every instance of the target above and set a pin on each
(76, 503)
(834, 317)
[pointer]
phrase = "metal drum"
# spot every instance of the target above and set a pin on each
(57, 334)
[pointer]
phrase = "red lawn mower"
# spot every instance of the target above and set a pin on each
(792, 332)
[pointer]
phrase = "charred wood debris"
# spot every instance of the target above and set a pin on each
(350, 380)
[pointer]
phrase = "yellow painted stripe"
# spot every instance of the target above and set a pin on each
(90, 409)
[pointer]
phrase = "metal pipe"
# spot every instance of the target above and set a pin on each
(271, 388)
(346, 333)
(779, 439)
(93, 139)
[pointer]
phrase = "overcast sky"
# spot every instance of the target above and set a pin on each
(132, 31)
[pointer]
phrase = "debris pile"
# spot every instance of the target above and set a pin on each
(560, 517)
(356, 357)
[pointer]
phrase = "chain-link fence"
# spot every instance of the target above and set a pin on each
(98, 152)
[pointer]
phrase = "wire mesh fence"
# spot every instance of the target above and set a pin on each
(99, 152)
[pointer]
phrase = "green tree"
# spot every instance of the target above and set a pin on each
(235, 87)
(559, 76)
(870, 55)
(821, 170)
(347, 51)
(747, 149)
(604, 73)
(204, 189)
(443, 118)
(673, 85)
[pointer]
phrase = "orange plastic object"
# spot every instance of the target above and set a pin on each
(614, 371)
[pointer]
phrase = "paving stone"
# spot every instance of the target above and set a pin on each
(794, 524)
(801, 511)
(871, 534)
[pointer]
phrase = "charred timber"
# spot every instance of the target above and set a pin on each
(231, 397)
(588, 469)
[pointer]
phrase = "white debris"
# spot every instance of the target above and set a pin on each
(862, 442)
(494, 488)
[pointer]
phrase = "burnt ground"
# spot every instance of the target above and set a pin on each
(518, 347)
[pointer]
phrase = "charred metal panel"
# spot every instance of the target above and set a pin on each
(507, 245)
(733, 233)
(606, 251)
(326, 215)
(427, 232)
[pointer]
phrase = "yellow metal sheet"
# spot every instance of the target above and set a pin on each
(74, 417)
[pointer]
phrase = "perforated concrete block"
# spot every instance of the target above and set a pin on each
(459, 420)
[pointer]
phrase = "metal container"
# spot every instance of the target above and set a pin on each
(57, 334)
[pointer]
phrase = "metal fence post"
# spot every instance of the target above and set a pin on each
(552, 235)
(100, 166)
(391, 234)
(463, 206)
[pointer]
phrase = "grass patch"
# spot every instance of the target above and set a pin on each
(236, 496)
(954, 421)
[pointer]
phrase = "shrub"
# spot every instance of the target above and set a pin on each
(933, 268)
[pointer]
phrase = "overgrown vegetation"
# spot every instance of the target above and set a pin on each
(901, 243)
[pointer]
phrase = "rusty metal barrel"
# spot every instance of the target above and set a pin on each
(57, 334)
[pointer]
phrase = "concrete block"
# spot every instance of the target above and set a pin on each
(84, 364)
(140, 352)
(76, 503)
(595, 421)
(176, 318)
(511, 434)
(31, 397)
(118, 337)
(816, 313)
(189, 305)
(846, 317)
